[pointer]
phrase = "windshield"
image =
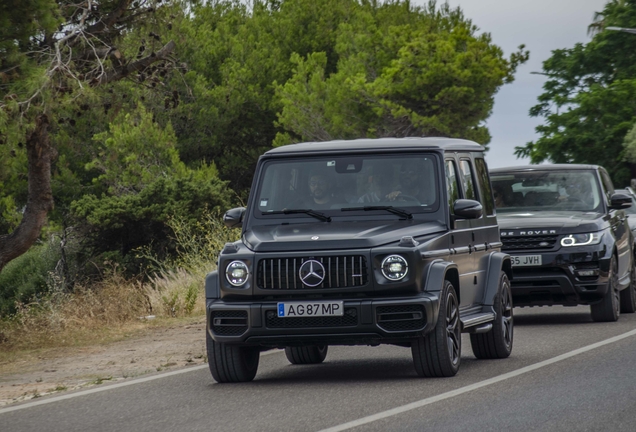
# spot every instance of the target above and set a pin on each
(546, 190)
(328, 185)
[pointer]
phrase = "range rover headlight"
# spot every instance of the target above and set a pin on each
(237, 273)
(394, 267)
(581, 239)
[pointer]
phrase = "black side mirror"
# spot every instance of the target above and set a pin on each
(620, 200)
(234, 218)
(467, 209)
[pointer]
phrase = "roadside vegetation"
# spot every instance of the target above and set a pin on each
(115, 304)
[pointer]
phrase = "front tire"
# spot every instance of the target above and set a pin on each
(231, 363)
(609, 309)
(497, 343)
(628, 295)
(438, 354)
(312, 354)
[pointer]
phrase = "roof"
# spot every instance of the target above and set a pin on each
(359, 145)
(545, 167)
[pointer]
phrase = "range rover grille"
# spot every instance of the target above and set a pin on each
(340, 272)
(528, 242)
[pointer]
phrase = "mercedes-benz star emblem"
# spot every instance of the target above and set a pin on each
(312, 273)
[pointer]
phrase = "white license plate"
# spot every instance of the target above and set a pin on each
(310, 309)
(526, 260)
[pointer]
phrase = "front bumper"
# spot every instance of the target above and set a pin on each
(365, 322)
(558, 280)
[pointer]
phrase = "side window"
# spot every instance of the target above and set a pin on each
(484, 185)
(467, 179)
(451, 183)
(607, 185)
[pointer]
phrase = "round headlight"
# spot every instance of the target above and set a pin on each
(237, 273)
(394, 267)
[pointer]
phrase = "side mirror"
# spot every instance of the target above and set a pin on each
(620, 200)
(234, 218)
(467, 209)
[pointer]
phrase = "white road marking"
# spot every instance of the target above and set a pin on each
(475, 386)
(113, 386)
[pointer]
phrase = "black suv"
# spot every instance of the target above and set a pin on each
(365, 242)
(566, 231)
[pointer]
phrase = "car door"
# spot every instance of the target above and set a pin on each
(461, 235)
(476, 242)
(620, 228)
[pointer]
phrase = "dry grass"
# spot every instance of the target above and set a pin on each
(109, 310)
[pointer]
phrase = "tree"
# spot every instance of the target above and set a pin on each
(53, 54)
(589, 99)
(400, 72)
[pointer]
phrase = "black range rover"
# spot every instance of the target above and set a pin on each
(566, 231)
(365, 242)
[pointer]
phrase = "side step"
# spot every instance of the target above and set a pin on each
(478, 323)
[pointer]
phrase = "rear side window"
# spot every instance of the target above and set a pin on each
(451, 183)
(466, 174)
(484, 185)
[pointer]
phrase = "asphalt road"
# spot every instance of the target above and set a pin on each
(566, 373)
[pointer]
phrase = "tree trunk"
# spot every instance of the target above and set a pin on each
(40, 201)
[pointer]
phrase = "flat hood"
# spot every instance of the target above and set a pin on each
(335, 235)
(561, 222)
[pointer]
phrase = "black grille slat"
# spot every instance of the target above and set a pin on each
(236, 322)
(340, 271)
(528, 242)
(349, 319)
(400, 323)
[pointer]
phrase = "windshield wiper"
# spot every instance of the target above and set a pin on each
(390, 209)
(309, 212)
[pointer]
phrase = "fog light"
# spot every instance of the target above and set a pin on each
(394, 267)
(587, 273)
(237, 273)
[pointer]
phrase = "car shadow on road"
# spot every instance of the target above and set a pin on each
(359, 370)
(547, 319)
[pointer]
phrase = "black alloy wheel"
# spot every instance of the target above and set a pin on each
(497, 343)
(609, 308)
(438, 354)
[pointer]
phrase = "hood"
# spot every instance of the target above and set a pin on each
(559, 221)
(335, 235)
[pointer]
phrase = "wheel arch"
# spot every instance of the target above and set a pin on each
(498, 262)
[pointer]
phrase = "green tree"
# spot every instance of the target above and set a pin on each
(52, 56)
(589, 99)
(420, 72)
(142, 184)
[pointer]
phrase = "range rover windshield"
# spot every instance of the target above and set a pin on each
(546, 190)
(337, 186)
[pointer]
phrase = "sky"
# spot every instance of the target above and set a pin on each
(543, 26)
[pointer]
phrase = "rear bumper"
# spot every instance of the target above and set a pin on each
(365, 322)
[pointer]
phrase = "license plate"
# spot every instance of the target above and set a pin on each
(526, 260)
(310, 309)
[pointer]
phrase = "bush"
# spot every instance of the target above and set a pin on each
(27, 276)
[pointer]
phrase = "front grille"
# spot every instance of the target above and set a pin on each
(349, 319)
(528, 242)
(401, 317)
(340, 272)
(228, 322)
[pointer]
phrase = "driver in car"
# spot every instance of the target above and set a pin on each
(410, 187)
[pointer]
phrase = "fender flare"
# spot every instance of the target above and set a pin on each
(498, 261)
(437, 274)
(212, 289)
